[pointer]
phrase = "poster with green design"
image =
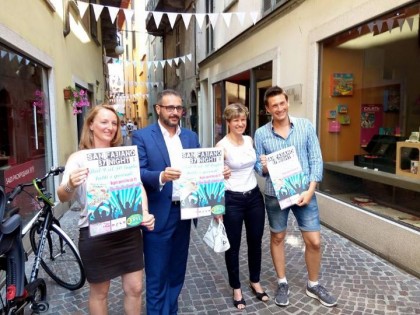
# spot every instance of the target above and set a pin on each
(287, 176)
(113, 189)
(202, 186)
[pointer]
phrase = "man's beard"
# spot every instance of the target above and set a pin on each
(168, 123)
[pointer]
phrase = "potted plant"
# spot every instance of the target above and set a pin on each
(68, 91)
(77, 99)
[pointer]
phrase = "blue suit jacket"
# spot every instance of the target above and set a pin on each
(154, 158)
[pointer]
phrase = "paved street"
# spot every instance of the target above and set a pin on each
(363, 282)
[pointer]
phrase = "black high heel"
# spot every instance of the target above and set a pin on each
(259, 295)
(240, 302)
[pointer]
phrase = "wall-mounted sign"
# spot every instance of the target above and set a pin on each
(294, 92)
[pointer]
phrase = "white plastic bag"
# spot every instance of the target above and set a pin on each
(216, 237)
(210, 234)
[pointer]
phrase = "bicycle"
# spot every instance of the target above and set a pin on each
(16, 293)
(61, 261)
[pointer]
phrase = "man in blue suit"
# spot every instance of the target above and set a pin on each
(166, 247)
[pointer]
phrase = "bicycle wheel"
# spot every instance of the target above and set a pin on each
(38, 291)
(60, 257)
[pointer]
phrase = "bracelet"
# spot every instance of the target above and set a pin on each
(67, 188)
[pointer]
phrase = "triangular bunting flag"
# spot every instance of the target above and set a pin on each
(371, 25)
(186, 17)
(128, 15)
(410, 23)
(3, 53)
(27, 62)
(170, 62)
(82, 8)
(379, 24)
(390, 24)
(156, 63)
(183, 59)
(241, 17)
(254, 16)
(157, 16)
(213, 18)
(401, 23)
(19, 58)
(176, 61)
(359, 29)
(227, 17)
(97, 9)
(11, 56)
(200, 19)
(162, 63)
(189, 56)
(113, 11)
(172, 18)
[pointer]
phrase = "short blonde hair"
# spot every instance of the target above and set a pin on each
(234, 110)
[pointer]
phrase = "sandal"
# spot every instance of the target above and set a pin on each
(259, 295)
(240, 302)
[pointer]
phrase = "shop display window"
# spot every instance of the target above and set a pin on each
(374, 69)
(24, 124)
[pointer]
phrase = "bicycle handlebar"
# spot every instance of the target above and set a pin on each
(54, 171)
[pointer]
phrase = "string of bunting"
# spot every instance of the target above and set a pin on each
(136, 84)
(171, 62)
(213, 17)
(172, 16)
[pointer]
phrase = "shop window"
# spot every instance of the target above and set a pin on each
(270, 5)
(24, 123)
(369, 103)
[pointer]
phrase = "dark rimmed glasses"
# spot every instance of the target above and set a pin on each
(172, 108)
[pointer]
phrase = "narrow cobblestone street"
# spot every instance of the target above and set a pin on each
(363, 282)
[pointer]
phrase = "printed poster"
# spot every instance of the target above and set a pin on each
(202, 186)
(287, 176)
(371, 121)
(113, 189)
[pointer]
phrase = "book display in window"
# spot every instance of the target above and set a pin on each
(341, 84)
(371, 121)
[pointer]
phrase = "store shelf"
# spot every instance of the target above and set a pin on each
(348, 168)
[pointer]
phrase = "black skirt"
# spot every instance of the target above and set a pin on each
(111, 255)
